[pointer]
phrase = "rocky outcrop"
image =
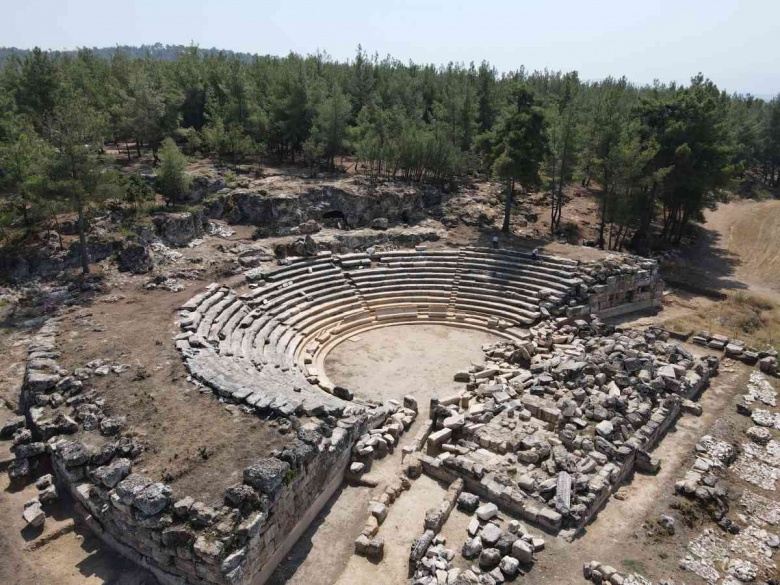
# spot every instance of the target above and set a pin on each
(135, 257)
(179, 229)
(346, 202)
(202, 186)
(22, 263)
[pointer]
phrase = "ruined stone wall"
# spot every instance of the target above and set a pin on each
(300, 503)
(178, 539)
(618, 285)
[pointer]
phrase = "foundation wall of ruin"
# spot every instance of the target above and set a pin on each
(300, 503)
(630, 454)
(179, 540)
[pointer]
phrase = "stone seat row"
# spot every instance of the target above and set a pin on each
(260, 373)
(266, 346)
(546, 265)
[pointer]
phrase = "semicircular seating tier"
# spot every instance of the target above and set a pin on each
(266, 347)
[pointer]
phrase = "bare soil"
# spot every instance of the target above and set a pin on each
(739, 248)
(420, 360)
(191, 439)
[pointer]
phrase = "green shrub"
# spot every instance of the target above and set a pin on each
(172, 178)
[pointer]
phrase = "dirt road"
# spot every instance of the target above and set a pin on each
(741, 246)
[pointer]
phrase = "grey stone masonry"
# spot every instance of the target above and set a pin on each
(180, 540)
(261, 347)
(552, 426)
(619, 284)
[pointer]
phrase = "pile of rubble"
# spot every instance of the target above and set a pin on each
(759, 459)
(375, 444)
(163, 282)
(744, 549)
(601, 573)
(745, 558)
(429, 562)
(701, 481)
(760, 390)
(738, 350)
(219, 230)
(165, 255)
(498, 555)
(548, 427)
(382, 440)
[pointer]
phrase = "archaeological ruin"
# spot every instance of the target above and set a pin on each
(562, 411)
(525, 450)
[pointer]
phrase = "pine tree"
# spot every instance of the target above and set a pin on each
(172, 178)
(519, 146)
(76, 130)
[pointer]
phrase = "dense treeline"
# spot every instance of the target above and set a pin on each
(658, 155)
(157, 51)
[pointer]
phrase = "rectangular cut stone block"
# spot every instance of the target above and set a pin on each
(439, 437)
(563, 493)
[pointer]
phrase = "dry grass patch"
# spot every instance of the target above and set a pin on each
(750, 317)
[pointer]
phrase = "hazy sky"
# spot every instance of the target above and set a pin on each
(735, 43)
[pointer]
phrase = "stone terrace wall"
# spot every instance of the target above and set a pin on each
(617, 285)
(178, 539)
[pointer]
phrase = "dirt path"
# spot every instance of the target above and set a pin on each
(741, 246)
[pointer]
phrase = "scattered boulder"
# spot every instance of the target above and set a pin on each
(510, 567)
(467, 502)
(33, 515)
(487, 511)
(472, 547)
(489, 559)
(136, 257)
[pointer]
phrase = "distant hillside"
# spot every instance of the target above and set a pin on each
(156, 51)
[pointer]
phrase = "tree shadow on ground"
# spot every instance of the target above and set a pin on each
(304, 545)
(511, 241)
(107, 565)
(706, 263)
